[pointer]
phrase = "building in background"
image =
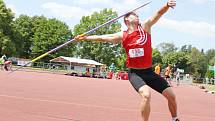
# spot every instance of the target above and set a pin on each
(77, 65)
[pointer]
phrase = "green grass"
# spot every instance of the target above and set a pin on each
(210, 87)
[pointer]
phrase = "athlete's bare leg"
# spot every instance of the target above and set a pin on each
(145, 93)
(170, 96)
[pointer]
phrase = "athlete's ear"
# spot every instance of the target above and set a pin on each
(126, 20)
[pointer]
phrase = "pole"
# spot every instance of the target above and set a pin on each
(88, 32)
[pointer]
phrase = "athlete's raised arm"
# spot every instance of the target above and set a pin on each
(152, 20)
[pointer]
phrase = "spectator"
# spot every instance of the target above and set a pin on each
(158, 69)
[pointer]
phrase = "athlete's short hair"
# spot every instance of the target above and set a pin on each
(128, 14)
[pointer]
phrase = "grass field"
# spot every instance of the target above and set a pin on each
(210, 87)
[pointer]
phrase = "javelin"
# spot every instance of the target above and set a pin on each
(70, 41)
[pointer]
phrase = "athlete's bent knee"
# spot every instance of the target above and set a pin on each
(146, 95)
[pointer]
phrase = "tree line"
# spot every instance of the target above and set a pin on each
(29, 37)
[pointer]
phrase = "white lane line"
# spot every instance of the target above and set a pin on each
(68, 103)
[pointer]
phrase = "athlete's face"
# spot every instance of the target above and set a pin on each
(133, 18)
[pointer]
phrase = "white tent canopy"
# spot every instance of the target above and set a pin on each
(78, 61)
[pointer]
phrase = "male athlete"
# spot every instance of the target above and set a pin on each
(137, 43)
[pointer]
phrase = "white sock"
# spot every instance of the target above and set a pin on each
(174, 118)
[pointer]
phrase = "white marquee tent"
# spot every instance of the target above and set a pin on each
(76, 61)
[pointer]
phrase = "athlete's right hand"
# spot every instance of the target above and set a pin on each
(171, 3)
(80, 37)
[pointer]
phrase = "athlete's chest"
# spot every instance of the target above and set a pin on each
(137, 38)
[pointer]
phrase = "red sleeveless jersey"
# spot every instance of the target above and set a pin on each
(138, 49)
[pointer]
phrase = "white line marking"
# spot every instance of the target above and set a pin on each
(69, 103)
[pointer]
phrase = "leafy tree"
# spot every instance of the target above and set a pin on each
(24, 33)
(37, 35)
(48, 34)
(212, 61)
(210, 74)
(198, 63)
(186, 48)
(106, 53)
(178, 59)
(165, 48)
(120, 60)
(156, 56)
(210, 54)
(7, 46)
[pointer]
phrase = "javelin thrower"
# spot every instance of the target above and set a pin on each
(136, 41)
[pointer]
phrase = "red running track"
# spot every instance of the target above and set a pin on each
(33, 96)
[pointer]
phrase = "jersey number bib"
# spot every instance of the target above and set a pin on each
(136, 52)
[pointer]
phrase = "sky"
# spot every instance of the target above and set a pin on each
(191, 22)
